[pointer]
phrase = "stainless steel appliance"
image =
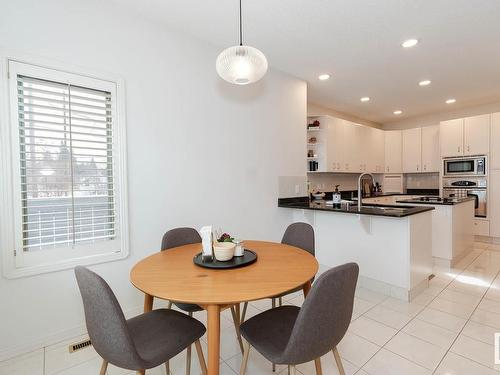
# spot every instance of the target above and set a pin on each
(475, 187)
(465, 166)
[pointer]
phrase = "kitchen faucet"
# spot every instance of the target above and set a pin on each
(360, 194)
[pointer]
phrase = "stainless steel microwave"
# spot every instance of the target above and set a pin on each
(465, 166)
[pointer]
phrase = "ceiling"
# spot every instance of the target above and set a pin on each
(359, 43)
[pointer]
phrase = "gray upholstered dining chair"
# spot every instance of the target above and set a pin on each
(139, 343)
(300, 235)
(290, 335)
(186, 236)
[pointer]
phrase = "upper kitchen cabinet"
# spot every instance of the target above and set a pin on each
(334, 144)
(393, 151)
(431, 161)
(412, 150)
(469, 136)
(452, 138)
(477, 135)
(495, 141)
(377, 142)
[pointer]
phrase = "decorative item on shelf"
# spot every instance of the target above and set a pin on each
(312, 140)
(310, 153)
(313, 166)
(313, 126)
(241, 65)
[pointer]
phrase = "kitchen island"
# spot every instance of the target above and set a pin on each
(391, 244)
(452, 227)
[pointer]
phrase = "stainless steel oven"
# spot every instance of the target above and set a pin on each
(475, 187)
(465, 166)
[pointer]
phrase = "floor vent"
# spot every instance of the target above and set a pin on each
(79, 346)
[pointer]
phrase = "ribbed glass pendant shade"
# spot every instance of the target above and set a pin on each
(241, 65)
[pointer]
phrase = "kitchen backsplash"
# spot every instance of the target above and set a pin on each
(349, 181)
(422, 181)
(327, 181)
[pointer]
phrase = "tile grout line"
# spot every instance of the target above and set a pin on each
(415, 317)
(468, 320)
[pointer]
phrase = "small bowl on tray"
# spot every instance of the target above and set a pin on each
(224, 251)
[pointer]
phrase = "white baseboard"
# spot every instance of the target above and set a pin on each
(55, 338)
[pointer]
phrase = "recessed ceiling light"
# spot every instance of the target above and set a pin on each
(398, 112)
(365, 99)
(451, 101)
(409, 43)
(324, 77)
(425, 82)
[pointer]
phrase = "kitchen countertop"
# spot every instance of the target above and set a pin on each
(443, 202)
(376, 210)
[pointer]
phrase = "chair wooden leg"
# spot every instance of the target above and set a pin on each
(273, 303)
(245, 306)
(141, 372)
(169, 305)
(201, 358)
(188, 356)
(188, 361)
(244, 361)
(292, 370)
(235, 312)
(167, 367)
(317, 364)
(280, 301)
(338, 361)
(104, 367)
(274, 367)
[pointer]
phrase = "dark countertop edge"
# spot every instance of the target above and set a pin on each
(412, 201)
(302, 205)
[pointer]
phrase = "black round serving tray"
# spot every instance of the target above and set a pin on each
(246, 259)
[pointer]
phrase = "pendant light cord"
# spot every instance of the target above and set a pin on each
(241, 32)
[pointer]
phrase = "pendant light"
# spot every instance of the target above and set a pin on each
(241, 65)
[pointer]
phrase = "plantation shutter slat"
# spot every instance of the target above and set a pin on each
(66, 155)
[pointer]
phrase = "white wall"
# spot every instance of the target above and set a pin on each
(318, 110)
(200, 151)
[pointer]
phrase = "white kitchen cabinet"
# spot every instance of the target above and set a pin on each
(477, 135)
(393, 151)
(376, 162)
(468, 136)
(451, 137)
(349, 157)
(412, 150)
(334, 144)
(431, 161)
(494, 203)
(481, 228)
(495, 141)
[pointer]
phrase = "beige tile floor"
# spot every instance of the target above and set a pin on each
(447, 330)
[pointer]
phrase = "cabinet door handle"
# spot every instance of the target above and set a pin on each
(458, 148)
(417, 167)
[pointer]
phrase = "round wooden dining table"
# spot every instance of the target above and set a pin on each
(171, 275)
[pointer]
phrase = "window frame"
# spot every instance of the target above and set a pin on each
(16, 262)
